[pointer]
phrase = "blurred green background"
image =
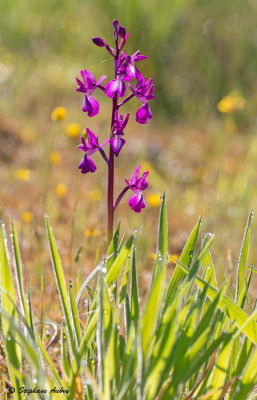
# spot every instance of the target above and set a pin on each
(198, 52)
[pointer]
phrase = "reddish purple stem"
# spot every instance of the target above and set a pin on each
(110, 190)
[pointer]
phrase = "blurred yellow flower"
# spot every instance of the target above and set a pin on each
(27, 216)
(92, 232)
(58, 114)
(73, 130)
(231, 102)
(23, 174)
(61, 190)
(154, 199)
(171, 257)
(146, 166)
(55, 157)
(95, 195)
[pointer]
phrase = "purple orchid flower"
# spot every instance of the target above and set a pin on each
(90, 105)
(143, 91)
(116, 86)
(117, 141)
(87, 164)
(143, 114)
(129, 66)
(137, 201)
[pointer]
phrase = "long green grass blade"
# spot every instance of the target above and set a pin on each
(152, 310)
(60, 279)
(242, 263)
(248, 380)
(113, 249)
(18, 271)
(134, 291)
(7, 302)
(162, 245)
(74, 314)
(185, 259)
(119, 262)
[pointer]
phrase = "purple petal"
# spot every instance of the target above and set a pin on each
(115, 25)
(143, 114)
(81, 88)
(115, 86)
(131, 72)
(137, 56)
(122, 32)
(83, 146)
(134, 176)
(99, 41)
(141, 183)
(117, 142)
(137, 202)
(100, 80)
(124, 124)
(91, 106)
(87, 75)
(92, 139)
(87, 165)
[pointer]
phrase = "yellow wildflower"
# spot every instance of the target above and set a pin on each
(146, 166)
(171, 257)
(73, 130)
(92, 232)
(23, 174)
(154, 199)
(61, 190)
(58, 114)
(231, 102)
(27, 216)
(95, 195)
(55, 157)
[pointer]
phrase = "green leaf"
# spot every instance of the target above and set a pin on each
(248, 380)
(18, 271)
(134, 291)
(152, 311)
(162, 245)
(208, 270)
(7, 302)
(60, 280)
(185, 259)
(231, 309)
(74, 314)
(242, 263)
(113, 248)
(119, 262)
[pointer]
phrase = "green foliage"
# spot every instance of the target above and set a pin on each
(189, 340)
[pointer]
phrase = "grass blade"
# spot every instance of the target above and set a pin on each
(59, 275)
(242, 263)
(185, 259)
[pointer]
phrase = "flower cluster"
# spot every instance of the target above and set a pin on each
(128, 83)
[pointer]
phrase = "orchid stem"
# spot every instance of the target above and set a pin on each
(111, 176)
